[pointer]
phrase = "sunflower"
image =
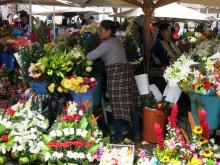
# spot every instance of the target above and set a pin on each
(165, 159)
(202, 141)
(207, 153)
(197, 130)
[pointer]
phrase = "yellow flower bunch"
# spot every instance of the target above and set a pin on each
(75, 84)
(59, 89)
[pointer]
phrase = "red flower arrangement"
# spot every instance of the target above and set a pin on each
(75, 117)
(67, 144)
(173, 117)
(204, 124)
(159, 135)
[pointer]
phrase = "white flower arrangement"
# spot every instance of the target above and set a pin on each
(26, 129)
(179, 70)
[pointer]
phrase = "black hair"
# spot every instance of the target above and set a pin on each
(164, 26)
(91, 17)
(109, 25)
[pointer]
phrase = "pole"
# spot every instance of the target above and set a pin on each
(54, 24)
(148, 9)
(30, 15)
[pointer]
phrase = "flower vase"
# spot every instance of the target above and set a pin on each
(212, 106)
(142, 84)
(40, 88)
(150, 117)
(172, 93)
(80, 98)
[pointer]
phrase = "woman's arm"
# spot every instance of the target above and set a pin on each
(100, 51)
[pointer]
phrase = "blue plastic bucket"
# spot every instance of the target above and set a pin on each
(212, 106)
(40, 87)
(97, 97)
(80, 98)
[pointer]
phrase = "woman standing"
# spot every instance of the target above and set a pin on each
(120, 80)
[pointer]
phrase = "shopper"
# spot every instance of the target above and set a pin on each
(120, 80)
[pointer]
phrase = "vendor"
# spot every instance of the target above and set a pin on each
(120, 80)
(25, 24)
(164, 48)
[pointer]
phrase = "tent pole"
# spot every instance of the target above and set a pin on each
(30, 15)
(54, 24)
(148, 9)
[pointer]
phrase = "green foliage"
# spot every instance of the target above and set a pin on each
(30, 54)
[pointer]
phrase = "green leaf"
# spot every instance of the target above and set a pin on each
(93, 149)
(84, 123)
(46, 138)
(9, 143)
(45, 148)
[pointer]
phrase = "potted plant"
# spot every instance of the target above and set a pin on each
(153, 112)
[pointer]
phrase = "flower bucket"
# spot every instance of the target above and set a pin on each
(8, 59)
(212, 106)
(97, 97)
(80, 98)
(40, 87)
(172, 93)
(142, 84)
(150, 117)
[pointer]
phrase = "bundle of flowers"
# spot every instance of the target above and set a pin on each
(92, 28)
(21, 133)
(180, 70)
(118, 154)
(81, 65)
(198, 70)
(78, 84)
(74, 138)
(174, 149)
(11, 85)
(133, 50)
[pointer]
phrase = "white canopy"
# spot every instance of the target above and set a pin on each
(61, 10)
(173, 10)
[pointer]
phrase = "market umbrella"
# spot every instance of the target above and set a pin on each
(173, 10)
(41, 2)
(73, 11)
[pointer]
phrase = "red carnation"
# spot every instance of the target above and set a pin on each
(159, 135)
(88, 144)
(77, 117)
(10, 112)
(82, 107)
(4, 138)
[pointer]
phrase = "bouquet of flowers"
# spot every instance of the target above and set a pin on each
(21, 132)
(176, 150)
(92, 28)
(78, 84)
(30, 54)
(118, 154)
(74, 138)
(180, 70)
(133, 51)
(81, 65)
